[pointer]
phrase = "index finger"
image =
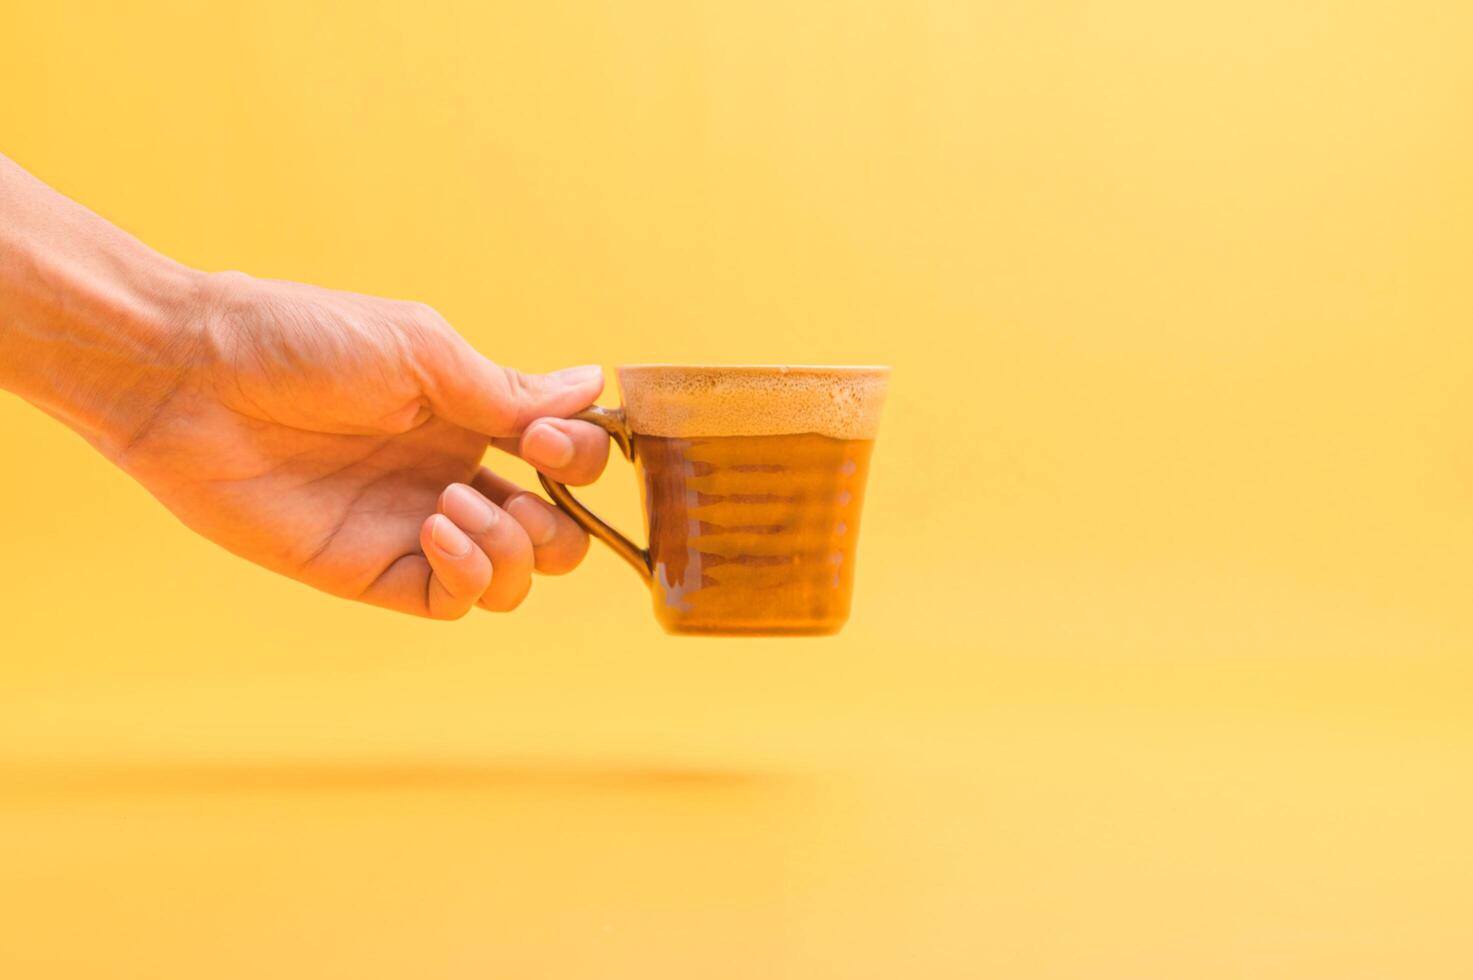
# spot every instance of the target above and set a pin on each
(566, 450)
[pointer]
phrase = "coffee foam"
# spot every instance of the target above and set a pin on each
(684, 402)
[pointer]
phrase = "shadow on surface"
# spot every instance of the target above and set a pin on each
(229, 776)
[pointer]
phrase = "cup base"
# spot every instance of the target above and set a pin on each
(777, 629)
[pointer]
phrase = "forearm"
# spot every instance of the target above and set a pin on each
(94, 325)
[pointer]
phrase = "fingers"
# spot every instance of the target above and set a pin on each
(558, 543)
(479, 549)
(461, 571)
(566, 450)
(451, 576)
(414, 584)
(464, 387)
(501, 537)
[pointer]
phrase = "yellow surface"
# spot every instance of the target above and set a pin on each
(1160, 664)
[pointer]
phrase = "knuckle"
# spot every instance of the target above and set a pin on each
(518, 389)
(422, 328)
(227, 286)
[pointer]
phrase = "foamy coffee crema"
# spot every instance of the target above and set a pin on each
(753, 479)
(681, 401)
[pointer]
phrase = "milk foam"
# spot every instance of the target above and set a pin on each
(683, 402)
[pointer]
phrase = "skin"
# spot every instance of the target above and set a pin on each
(332, 437)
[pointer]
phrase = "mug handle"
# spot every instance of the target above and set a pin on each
(611, 420)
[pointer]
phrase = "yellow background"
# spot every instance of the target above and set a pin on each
(1160, 663)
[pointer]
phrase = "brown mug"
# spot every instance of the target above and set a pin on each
(752, 480)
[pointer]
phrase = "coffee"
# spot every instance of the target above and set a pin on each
(752, 534)
(752, 479)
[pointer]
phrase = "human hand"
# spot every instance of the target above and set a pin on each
(329, 436)
(337, 438)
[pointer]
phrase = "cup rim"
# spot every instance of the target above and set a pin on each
(763, 368)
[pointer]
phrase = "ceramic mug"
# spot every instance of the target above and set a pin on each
(752, 479)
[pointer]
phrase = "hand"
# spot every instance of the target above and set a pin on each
(337, 438)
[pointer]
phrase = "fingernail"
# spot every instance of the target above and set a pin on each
(546, 446)
(577, 375)
(449, 538)
(468, 508)
(535, 517)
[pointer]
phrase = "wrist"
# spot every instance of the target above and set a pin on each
(96, 329)
(103, 352)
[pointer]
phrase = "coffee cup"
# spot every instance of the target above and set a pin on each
(752, 479)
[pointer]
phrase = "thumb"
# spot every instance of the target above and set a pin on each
(469, 390)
